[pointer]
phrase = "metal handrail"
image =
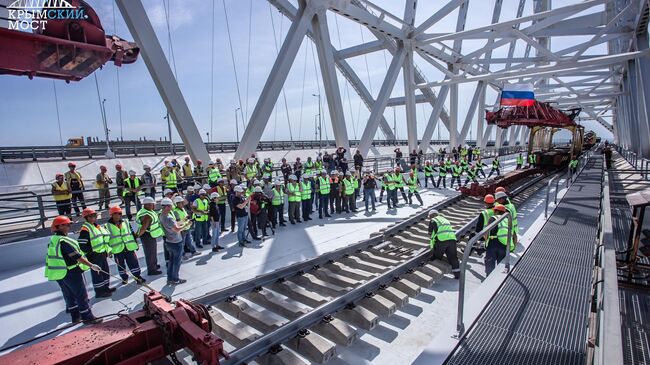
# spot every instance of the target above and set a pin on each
(460, 325)
(548, 190)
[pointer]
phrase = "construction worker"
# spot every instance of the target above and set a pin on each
(305, 195)
(497, 240)
(309, 165)
(61, 195)
(471, 175)
(573, 165)
(277, 204)
(222, 191)
(149, 230)
(443, 240)
(369, 186)
(442, 175)
(335, 192)
(188, 171)
(413, 183)
(520, 161)
(148, 181)
(199, 171)
(502, 198)
(476, 153)
(260, 216)
(240, 204)
(120, 176)
(200, 209)
(399, 183)
(297, 168)
(181, 215)
(479, 167)
(218, 164)
(170, 178)
(250, 171)
(102, 184)
(76, 187)
(428, 174)
(456, 171)
(323, 187)
(495, 166)
(267, 167)
(173, 241)
(123, 245)
(215, 216)
(132, 193)
(348, 194)
(384, 184)
(294, 198)
(355, 180)
(93, 242)
(532, 160)
(391, 190)
(65, 264)
(485, 215)
(213, 175)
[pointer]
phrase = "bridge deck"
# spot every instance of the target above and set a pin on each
(540, 314)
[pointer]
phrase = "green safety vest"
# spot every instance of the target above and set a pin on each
(463, 152)
(294, 192)
(214, 175)
(573, 163)
(495, 163)
(348, 187)
(502, 234)
(98, 238)
(487, 214)
(531, 158)
(121, 237)
(278, 197)
(513, 213)
(127, 185)
(306, 190)
(443, 171)
(476, 152)
(356, 182)
(428, 170)
(55, 267)
(456, 171)
(267, 168)
(390, 181)
(155, 230)
(170, 181)
(445, 231)
(250, 171)
(520, 160)
(318, 165)
(223, 194)
(202, 204)
(180, 214)
(324, 185)
(308, 167)
(412, 183)
(399, 181)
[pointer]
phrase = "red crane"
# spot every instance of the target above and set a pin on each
(65, 49)
(539, 114)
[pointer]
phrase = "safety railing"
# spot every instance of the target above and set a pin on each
(608, 348)
(639, 165)
(460, 325)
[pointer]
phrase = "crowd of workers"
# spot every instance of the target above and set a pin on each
(194, 207)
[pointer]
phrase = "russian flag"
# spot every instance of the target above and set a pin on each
(517, 95)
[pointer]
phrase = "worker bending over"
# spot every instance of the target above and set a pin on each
(443, 240)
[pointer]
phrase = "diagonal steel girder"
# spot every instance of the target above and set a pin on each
(286, 8)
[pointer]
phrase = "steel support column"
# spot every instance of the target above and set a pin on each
(632, 104)
(275, 81)
(330, 79)
(643, 95)
(480, 119)
(480, 87)
(408, 71)
(137, 21)
(453, 114)
(378, 108)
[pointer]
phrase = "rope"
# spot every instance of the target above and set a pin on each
(58, 117)
(234, 67)
(277, 52)
(212, 78)
(172, 57)
(117, 70)
(99, 100)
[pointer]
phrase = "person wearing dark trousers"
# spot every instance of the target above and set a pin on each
(399, 183)
(442, 176)
(520, 161)
(201, 208)
(257, 214)
(495, 166)
(93, 241)
(369, 186)
(305, 196)
(294, 198)
(123, 246)
(456, 171)
(61, 195)
(222, 198)
(471, 175)
(349, 203)
(181, 215)
(277, 205)
(173, 241)
(149, 230)
(496, 249)
(443, 241)
(76, 186)
(65, 264)
(132, 193)
(479, 167)
(573, 165)
(358, 161)
(231, 205)
(335, 193)
(428, 174)
(323, 186)
(413, 184)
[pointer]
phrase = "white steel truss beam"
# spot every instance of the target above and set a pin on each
(434, 118)
(361, 49)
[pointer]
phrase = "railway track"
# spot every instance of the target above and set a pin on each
(314, 306)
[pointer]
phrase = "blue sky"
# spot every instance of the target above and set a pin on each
(29, 104)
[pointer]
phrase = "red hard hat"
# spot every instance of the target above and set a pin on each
(102, 167)
(187, 158)
(500, 208)
(71, 164)
(59, 175)
(60, 220)
(500, 188)
(489, 199)
(199, 161)
(118, 166)
(115, 209)
(88, 211)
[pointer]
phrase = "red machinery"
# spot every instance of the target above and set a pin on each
(537, 115)
(158, 330)
(67, 49)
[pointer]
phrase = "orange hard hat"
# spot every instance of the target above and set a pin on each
(500, 188)
(71, 164)
(115, 209)
(60, 220)
(88, 211)
(199, 161)
(500, 208)
(59, 175)
(489, 199)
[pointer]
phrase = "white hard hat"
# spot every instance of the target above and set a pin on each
(178, 199)
(258, 189)
(255, 182)
(233, 181)
(190, 188)
(214, 195)
(232, 161)
(169, 164)
(206, 187)
(292, 177)
(433, 212)
(148, 200)
(146, 167)
(251, 160)
(239, 189)
(167, 191)
(347, 173)
(279, 183)
(500, 195)
(166, 201)
(202, 192)
(335, 172)
(132, 172)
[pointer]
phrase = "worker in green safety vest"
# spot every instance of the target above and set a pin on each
(267, 167)
(93, 242)
(476, 152)
(442, 175)
(294, 197)
(213, 174)
(200, 210)
(428, 174)
(413, 184)
(456, 171)
(520, 161)
(123, 246)
(349, 202)
(276, 211)
(149, 230)
(399, 183)
(323, 187)
(181, 215)
(390, 185)
(132, 193)
(170, 177)
(65, 264)
(222, 191)
(305, 194)
(496, 247)
(502, 198)
(443, 240)
(308, 166)
(495, 166)
(471, 175)
(251, 171)
(573, 165)
(532, 160)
